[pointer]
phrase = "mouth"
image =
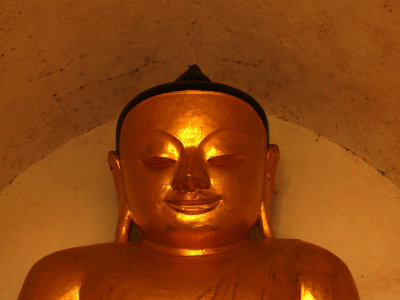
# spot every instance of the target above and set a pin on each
(194, 206)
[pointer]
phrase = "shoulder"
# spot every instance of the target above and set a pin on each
(60, 274)
(312, 258)
(318, 271)
(310, 268)
(299, 254)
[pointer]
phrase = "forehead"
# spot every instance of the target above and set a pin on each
(190, 116)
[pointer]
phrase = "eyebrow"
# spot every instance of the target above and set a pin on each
(218, 131)
(207, 137)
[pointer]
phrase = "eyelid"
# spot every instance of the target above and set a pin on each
(157, 162)
(167, 151)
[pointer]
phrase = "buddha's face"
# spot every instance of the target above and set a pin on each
(193, 168)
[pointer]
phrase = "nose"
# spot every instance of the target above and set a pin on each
(191, 174)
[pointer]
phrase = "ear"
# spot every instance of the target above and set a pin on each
(125, 215)
(271, 163)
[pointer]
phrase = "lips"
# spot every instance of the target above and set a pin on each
(194, 206)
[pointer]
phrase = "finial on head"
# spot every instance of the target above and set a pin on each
(193, 73)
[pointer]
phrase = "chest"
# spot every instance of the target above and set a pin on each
(234, 277)
(155, 279)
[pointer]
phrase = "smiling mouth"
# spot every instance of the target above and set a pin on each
(195, 206)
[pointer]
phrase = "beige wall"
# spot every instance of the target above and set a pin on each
(325, 195)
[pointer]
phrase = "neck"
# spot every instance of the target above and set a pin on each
(193, 252)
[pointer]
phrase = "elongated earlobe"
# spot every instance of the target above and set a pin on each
(271, 164)
(125, 219)
(265, 226)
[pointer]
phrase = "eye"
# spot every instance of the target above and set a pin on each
(157, 162)
(227, 160)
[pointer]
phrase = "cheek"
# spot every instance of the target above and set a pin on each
(146, 189)
(241, 187)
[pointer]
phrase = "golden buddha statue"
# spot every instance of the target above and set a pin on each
(194, 173)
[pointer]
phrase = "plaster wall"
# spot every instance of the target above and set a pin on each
(68, 66)
(324, 194)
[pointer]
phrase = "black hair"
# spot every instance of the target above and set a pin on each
(192, 79)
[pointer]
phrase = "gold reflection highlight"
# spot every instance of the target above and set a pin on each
(212, 152)
(191, 218)
(192, 133)
(172, 151)
(73, 294)
(194, 252)
(306, 294)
